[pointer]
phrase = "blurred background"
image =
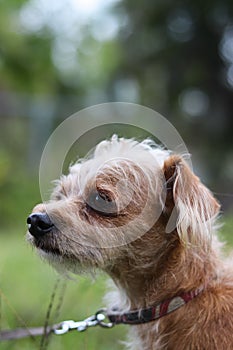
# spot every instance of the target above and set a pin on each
(60, 56)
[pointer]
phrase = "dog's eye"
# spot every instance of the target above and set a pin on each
(102, 203)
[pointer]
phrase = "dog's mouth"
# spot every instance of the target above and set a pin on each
(42, 233)
(62, 260)
(50, 244)
(47, 243)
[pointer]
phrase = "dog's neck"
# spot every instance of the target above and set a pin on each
(147, 286)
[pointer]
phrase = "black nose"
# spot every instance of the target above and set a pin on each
(39, 224)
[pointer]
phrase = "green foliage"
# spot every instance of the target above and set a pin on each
(19, 189)
(226, 232)
(18, 195)
(25, 59)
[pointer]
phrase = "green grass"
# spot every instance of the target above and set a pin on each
(27, 283)
(226, 232)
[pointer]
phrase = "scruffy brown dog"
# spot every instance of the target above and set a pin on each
(139, 213)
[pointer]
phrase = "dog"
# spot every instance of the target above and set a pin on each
(138, 212)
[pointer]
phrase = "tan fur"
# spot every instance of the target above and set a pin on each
(147, 262)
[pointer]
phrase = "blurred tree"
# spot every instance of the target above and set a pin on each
(24, 59)
(179, 55)
(47, 48)
(173, 56)
(52, 64)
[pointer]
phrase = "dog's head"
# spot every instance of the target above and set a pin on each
(128, 198)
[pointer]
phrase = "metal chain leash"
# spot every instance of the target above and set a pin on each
(98, 319)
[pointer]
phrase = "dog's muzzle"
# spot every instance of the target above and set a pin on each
(39, 224)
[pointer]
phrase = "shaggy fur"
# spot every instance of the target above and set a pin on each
(138, 213)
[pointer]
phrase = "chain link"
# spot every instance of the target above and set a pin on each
(95, 320)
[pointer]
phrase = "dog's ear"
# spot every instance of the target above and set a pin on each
(190, 206)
